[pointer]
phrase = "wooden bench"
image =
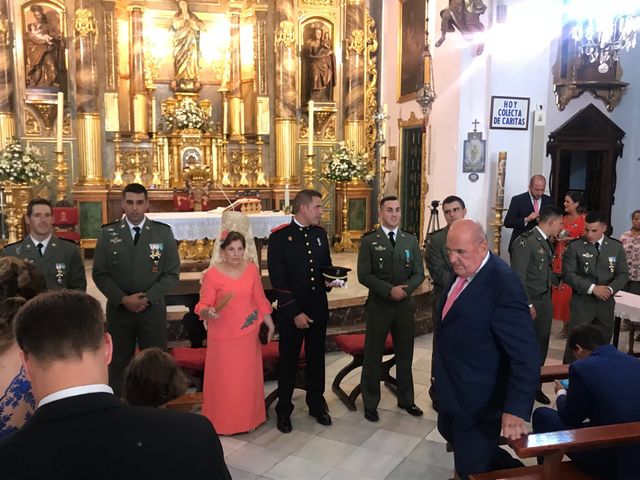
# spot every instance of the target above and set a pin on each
(353, 344)
(186, 402)
(553, 446)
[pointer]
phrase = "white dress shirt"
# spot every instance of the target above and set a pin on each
(75, 391)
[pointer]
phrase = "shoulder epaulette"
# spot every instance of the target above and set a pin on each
(369, 232)
(14, 243)
(526, 233)
(279, 227)
(110, 223)
(614, 239)
(160, 223)
(439, 230)
(68, 240)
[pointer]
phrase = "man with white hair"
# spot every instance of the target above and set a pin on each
(487, 362)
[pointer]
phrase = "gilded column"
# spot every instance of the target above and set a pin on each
(7, 118)
(85, 31)
(138, 93)
(285, 101)
(354, 83)
(235, 79)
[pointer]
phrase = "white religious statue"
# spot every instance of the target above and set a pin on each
(186, 43)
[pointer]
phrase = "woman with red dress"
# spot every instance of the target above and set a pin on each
(233, 305)
(572, 228)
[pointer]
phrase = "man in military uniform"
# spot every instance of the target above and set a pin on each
(57, 259)
(531, 259)
(136, 262)
(595, 267)
(297, 253)
(390, 266)
(437, 258)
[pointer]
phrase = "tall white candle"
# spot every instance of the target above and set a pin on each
(310, 130)
(286, 195)
(225, 105)
(60, 122)
(384, 151)
(241, 117)
(153, 114)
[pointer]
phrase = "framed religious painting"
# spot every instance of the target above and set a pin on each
(410, 47)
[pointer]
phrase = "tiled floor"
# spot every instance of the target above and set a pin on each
(397, 447)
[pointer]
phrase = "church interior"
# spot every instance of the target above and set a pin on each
(241, 104)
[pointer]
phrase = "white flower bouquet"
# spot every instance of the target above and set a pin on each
(188, 115)
(21, 165)
(344, 164)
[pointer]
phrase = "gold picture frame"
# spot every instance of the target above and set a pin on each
(411, 34)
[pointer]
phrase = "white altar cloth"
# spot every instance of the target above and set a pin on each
(199, 225)
(628, 306)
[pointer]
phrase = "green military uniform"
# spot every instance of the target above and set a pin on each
(437, 259)
(120, 268)
(583, 265)
(60, 263)
(381, 267)
(531, 258)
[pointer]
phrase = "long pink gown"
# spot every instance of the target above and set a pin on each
(233, 394)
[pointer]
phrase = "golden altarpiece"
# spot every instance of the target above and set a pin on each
(211, 96)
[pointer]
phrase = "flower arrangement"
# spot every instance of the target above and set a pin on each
(189, 115)
(344, 164)
(21, 165)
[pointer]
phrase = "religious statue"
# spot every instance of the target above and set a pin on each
(465, 16)
(186, 43)
(44, 52)
(321, 65)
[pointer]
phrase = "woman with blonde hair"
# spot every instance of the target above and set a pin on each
(19, 281)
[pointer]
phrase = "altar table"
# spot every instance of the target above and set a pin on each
(627, 308)
(199, 225)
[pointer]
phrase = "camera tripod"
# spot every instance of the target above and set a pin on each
(434, 221)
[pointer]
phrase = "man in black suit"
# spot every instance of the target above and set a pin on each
(80, 429)
(297, 253)
(524, 208)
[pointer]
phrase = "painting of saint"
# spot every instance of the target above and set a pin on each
(44, 49)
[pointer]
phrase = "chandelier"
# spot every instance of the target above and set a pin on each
(602, 40)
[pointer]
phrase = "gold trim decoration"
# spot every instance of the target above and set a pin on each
(357, 41)
(31, 123)
(46, 111)
(111, 51)
(320, 3)
(371, 89)
(286, 167)
(285, 35)
(5, 33)
(7, 129)
(84, 24)
(90, 149)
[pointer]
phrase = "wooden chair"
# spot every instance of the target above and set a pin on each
(186, 402)
(354, 345)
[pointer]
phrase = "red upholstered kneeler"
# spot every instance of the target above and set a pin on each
(270, 359)
(192, 362)
(354, 346)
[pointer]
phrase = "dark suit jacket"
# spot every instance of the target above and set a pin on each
(487, 360)
(96, 436)
(605, 388)
(519, 209)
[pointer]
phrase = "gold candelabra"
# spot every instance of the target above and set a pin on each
(155, 160)
(117, 173)
(497, 228)
(61, 176)
(261, 181)
(244, 182)
(345, 242)
(226, 181)
(383, 177)
(309, 170)
(137, 174)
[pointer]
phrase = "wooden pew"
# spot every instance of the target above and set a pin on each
(554, 446)
(186, 402)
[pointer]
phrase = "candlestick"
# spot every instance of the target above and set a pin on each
(310, 129)
(286, 196)
(501, 172)
(241, 117)
(60, 122)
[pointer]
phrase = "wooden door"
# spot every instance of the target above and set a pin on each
(411, 179)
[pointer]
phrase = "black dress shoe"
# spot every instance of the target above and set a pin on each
(542, 398)
(413, 410)
(284, 424)
(371, 414)
(323, 418)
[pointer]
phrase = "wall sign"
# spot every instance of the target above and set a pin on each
(509, 113)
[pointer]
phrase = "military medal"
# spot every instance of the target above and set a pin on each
(612, 264)
(380, 263)
(319, 242)
(156, 253)
(60, 268)
(407, 258)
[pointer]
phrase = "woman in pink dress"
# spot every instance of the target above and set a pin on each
(233, 305)
(572, 228)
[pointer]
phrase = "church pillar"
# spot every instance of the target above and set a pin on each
(354, 75)
(235, 80)
(7, 118)
(87, 92)
(138, 93)
(285, 101)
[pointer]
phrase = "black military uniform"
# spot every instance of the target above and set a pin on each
(60, 263)
(295, 257)
(120, 268)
